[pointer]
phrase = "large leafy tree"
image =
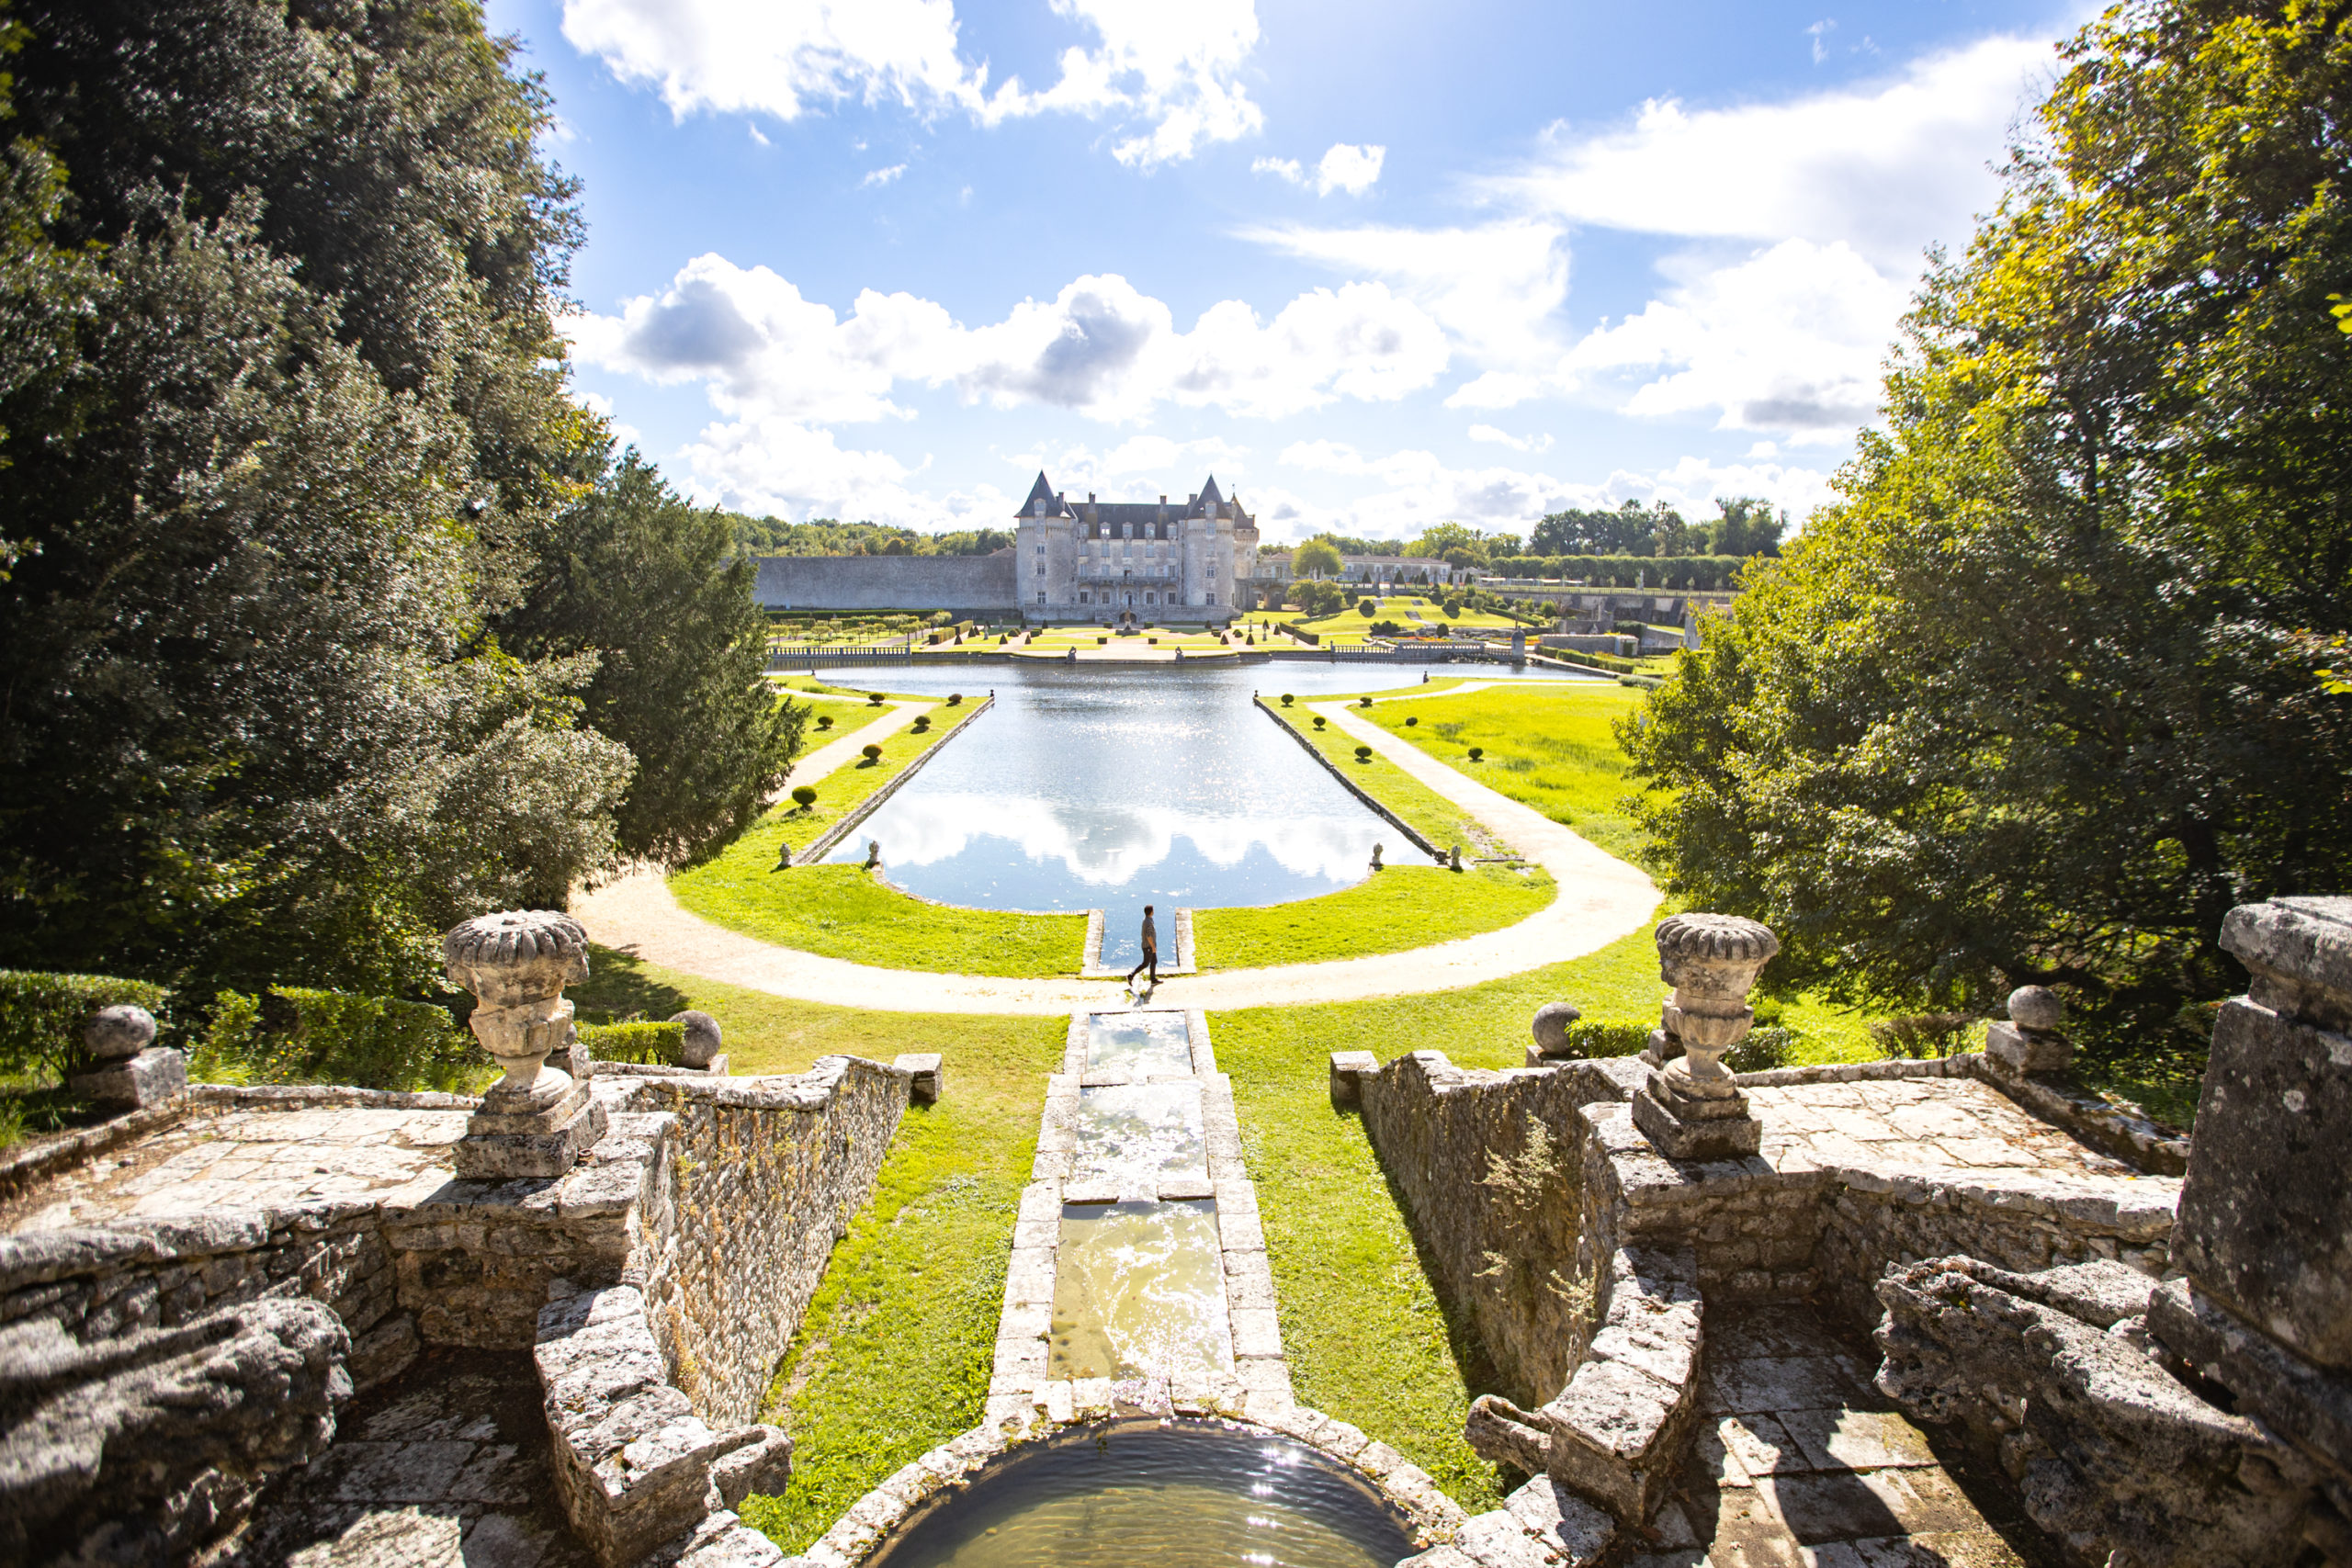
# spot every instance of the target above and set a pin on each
(651, 585)
(2039, 698)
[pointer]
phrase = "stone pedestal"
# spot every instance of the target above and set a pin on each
(537, 1121)
(1690, 1108)
(2265, 1225)
(131, 1070)
(2028, 1044)
(539, 1131)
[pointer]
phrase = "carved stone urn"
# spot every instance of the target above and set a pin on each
(1691, 1108)
(537, 1121)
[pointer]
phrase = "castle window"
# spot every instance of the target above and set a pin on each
(1130, 530)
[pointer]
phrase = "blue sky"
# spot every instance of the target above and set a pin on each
(1375, 266)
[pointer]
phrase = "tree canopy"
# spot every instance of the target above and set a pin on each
(285, 452)
(2043, 695)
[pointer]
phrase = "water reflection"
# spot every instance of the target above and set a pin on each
(1139, 1292)
(1111, 789)
(1138, 1044)
(1135, 1135)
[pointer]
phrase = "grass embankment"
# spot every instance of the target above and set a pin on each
(1435, 817)
(893, 1355)
(842, 912)
(1408, 905)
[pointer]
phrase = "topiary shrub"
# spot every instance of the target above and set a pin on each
(1409, 723)
(955, 699)
(645, 1041)
(1318, 721)
(1285, 699)
(872, 753)
(41, 1016)
(1476, 752)
(1363, 753)
(1363, 701)
(295, 1034)
(874, 699)
(1365, 608)
(824, 721)
(922, 723)
(804, 797)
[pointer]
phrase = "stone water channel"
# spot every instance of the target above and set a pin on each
(1138, 1381)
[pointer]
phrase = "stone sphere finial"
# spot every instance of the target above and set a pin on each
(517, 964)
(119, 1032)
(1550, 1027)
(703, 1040)
(2037, 1008)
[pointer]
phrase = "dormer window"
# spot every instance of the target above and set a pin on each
(1129, 531)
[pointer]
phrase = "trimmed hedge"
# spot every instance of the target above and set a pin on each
(1765, 1047)
(1665, 573)
(295, 1034)
(646, 1043)
(41, 1016)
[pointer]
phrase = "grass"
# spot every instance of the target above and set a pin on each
(1405, 907)
(842, 911)
(1547, 746)
(1435, 817)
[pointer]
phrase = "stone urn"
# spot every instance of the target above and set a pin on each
(516, 965)
(1691, 1107)
(537, 1121)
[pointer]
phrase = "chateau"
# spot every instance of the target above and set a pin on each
(1081, 560)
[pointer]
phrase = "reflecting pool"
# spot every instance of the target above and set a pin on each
(1138, 1044)
(1109, 787)
(1172, 1497)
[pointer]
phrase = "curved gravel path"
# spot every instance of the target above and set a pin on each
(1601, 898)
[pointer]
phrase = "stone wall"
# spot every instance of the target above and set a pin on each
(888, 582)
(1496, 1220)
(769, 1173)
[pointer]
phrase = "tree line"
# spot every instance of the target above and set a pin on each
(2058, 678)
(827, 537)
(331, 618)
(1743, 526)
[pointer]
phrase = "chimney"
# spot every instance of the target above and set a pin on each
(1089, 498)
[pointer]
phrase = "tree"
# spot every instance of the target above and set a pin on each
(1747, 526)
(1316, 558)
(2041, 698)
(1318, 598)
(652, 587)
(244, 734)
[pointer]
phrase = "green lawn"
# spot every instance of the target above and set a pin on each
(1412, 904)
(1437, 818)
(1548, 745)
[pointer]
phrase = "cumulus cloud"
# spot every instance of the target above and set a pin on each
(1791, 339)
(1345, 167)
(1496, 288)
(1099, 347)
(1489, 433)
(1166, 72)
(1887, 168)
(1138, 467)
(884, 176)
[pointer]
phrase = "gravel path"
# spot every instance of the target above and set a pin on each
(1601, 898)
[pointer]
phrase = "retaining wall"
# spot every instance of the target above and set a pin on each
(965, 583)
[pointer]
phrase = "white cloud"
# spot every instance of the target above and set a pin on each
(884, 176)
(1791, 339)
(1488, 433)
(1166, 72)
(1888, 168)
(1138, 467)
(1345, 167)
(1496, 389)
(1495, 287)
(1099, 347)
(1819, 32)
(781, 466)
(1416, 489)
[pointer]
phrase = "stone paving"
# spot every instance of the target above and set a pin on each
(1956, 1122)
(251, 1159)
(447, 1465)
(1800, 1463)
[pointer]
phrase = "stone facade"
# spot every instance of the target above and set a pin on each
(967, 585)
(1096, 561)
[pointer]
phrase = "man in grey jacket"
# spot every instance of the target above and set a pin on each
(1150, 952)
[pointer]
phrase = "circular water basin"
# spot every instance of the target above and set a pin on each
(1173, 1494)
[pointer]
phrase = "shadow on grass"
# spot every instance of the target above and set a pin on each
(619, 988)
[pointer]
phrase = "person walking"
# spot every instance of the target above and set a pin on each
(1150, 952)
